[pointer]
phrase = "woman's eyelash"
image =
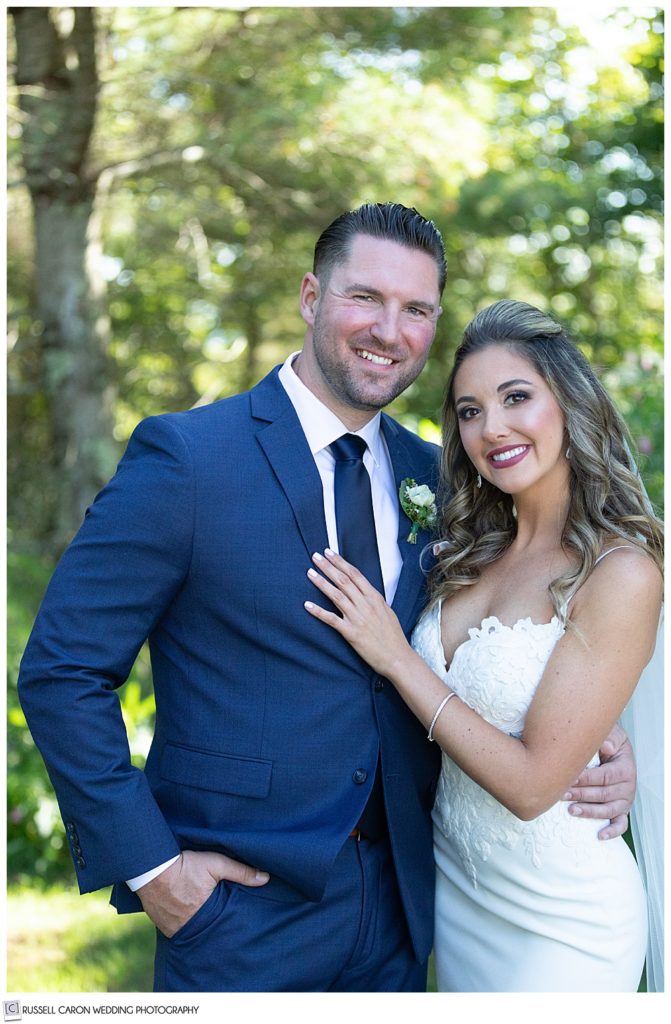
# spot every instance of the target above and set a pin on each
(467, 412)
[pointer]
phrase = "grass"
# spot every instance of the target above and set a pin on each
(59, 941)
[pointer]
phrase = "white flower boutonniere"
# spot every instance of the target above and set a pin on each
(419, 504)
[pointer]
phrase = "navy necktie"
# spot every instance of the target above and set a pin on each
(357, 540)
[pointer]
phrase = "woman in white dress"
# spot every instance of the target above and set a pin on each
(546, 597)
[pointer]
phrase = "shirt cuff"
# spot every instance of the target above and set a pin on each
(135, 883)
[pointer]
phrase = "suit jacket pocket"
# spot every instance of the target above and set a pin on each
(218, 773)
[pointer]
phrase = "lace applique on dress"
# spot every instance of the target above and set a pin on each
(496, 672)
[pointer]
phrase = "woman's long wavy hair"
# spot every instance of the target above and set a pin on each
(607, 499)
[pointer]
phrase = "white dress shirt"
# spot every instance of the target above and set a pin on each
(321, 427)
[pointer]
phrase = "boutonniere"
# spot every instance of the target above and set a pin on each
(419, 504)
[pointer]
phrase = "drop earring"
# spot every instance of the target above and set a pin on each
(478, 482)
(568, 452)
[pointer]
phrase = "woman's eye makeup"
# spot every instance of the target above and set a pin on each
(467, 412)
(513, 397)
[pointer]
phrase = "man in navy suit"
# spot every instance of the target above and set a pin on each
(279, 836)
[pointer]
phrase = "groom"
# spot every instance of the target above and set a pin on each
(280, 835)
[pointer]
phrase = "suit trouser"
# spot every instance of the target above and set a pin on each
(265, 940)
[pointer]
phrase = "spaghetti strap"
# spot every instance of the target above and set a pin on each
(563, 612)
(618, 547)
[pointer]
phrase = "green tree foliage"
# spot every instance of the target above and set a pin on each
(225, 140)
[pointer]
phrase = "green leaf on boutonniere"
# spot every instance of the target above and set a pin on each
(419, 504)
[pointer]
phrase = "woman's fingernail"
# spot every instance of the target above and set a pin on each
(317, 557)
(329, 552)
(575, 811)
(312, 572)
(262, 876)
(567, 796)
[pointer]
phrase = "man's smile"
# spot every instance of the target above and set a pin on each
(371, 357)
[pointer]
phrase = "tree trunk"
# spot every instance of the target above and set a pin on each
(58, 83)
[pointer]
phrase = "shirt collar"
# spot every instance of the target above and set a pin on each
(320, 425)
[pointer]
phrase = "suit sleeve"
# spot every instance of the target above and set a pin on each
(109, 590)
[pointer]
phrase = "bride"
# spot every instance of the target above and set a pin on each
(544, 607)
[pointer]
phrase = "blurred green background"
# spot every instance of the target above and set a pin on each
(170, 170)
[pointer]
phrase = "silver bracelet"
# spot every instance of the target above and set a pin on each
(438, 711)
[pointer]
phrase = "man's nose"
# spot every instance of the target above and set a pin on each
(386, 326)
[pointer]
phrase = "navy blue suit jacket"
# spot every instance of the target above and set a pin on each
(266, 720)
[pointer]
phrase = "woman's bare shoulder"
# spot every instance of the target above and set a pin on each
(625, 574)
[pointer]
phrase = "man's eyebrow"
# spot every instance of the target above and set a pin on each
(501, 387)
(351, 289)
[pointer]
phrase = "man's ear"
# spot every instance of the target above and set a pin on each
(309, 298)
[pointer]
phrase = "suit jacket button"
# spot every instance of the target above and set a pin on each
(360, 776)
(379, 686)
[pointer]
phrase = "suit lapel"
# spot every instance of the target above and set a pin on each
(410, 590)
(284, 444)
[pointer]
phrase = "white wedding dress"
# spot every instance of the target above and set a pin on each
(523, 906)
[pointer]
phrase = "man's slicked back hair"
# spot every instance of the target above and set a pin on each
(390, 221)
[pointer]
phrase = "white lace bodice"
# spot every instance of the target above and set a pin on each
(496, 672)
